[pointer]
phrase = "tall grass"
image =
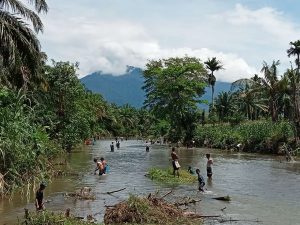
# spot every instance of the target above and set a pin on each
(257, 136)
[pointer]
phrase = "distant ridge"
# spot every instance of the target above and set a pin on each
(121, 90)
(127, 88)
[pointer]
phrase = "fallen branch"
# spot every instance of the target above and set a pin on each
(165, 195)
(239, 220)
(224, 198)
(203, 216)
(110, 192)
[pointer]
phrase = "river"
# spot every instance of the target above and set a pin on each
(262, 188)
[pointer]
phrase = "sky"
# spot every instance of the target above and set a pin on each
(108, 35)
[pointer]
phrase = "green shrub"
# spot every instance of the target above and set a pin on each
(166, 176)
(262, 136)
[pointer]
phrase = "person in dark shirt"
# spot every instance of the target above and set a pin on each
(200, 180)
(112, 147)
(209, 166)
(39, 197)
(118, 144)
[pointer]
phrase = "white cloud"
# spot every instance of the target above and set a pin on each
(240, 38)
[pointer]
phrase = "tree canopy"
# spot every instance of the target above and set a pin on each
(173, 88)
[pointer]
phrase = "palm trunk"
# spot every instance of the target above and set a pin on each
(298, 63)
(297, 112)
(212, 95)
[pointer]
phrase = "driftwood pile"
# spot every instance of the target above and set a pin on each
(143, 210)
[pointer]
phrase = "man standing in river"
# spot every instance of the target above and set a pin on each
(209, 166)
(175, 163)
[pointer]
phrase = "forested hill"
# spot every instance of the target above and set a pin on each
(127, 88)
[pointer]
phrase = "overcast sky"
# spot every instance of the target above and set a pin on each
(107, 35)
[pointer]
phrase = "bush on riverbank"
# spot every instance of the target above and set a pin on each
(257, 136)
(166, 176)
(146, 211)
(51, 218)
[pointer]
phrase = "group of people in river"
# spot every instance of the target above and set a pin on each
(101, 166)
(176, 167)
(102, 169)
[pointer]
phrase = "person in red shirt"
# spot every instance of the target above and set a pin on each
(175, 163)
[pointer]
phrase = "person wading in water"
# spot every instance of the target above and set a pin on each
(175, 163)
(112, 147)
(39, 197)
(209, 166)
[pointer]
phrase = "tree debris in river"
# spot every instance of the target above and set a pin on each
(148, 210)
(83, 194)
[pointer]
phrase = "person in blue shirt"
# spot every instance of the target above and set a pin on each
(200, 180)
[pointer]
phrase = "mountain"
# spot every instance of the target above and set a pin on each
(122, 89)
(127, 88)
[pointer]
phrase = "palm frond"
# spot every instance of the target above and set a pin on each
(17, 7)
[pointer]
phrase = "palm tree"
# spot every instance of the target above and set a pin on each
(19, 46)
(224, 105)
(295, 50)
(213, 65)
(272, 87)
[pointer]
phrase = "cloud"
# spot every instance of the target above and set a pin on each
(239, 37)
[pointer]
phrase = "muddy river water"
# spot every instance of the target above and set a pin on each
(263, 189)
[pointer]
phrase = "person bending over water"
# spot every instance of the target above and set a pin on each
(190, 170)
(200, 181)
(99, 166)
(175, 163)
(104, 166)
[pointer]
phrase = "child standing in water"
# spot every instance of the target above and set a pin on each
(209, 166)
(200, 180)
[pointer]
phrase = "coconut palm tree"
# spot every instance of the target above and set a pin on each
(19, 46)
(294, 50)
(224, 105)
(213, 65)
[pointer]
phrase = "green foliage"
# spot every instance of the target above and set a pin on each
(20, 50)
(166, 176)
(51, 218)
(138, 204)
(24, 145)
(259, 136)
(173, 88)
